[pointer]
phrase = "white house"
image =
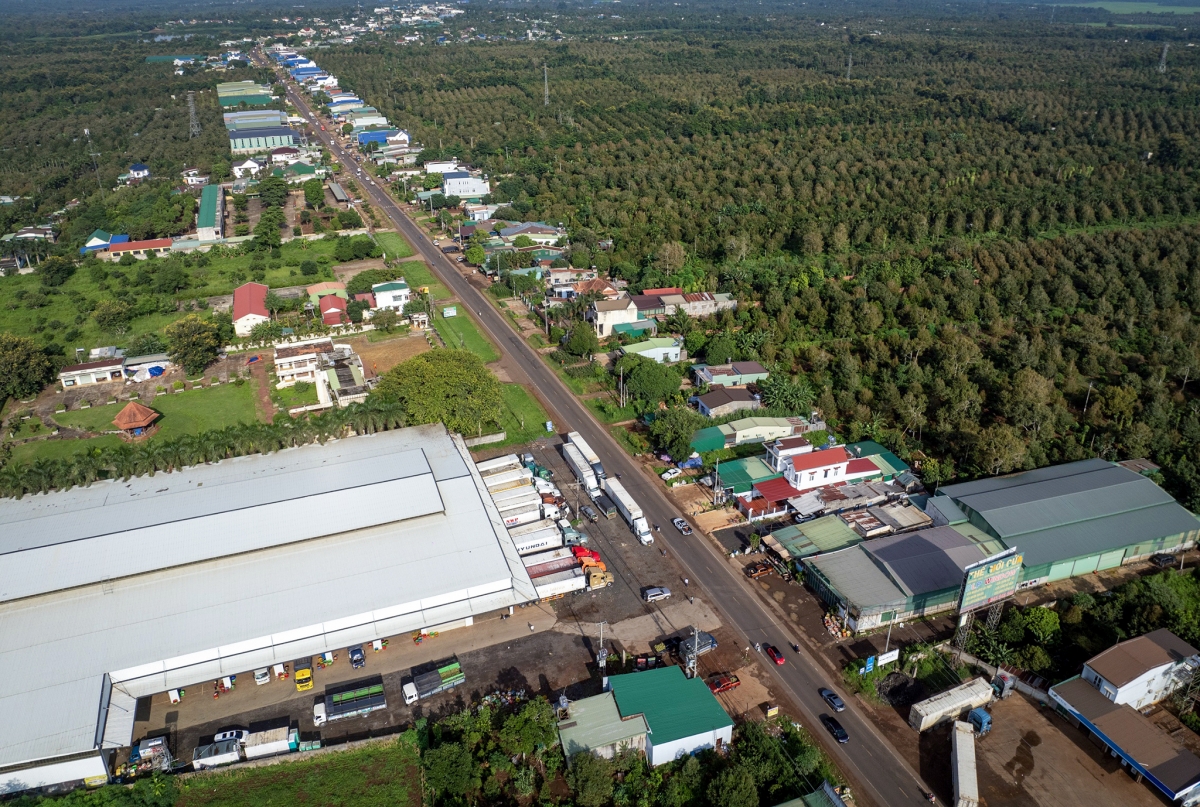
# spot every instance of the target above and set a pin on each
(465, 187)
(92, 372)
(394, 294)
(300, 361)
(1144, 670)
(249, 168)
(605, 314)
(783, 449)
(193, 178)
(682, 715)
(831, 466)
(441, 166)
(139, 171)
(659, 349)
(535, 231)
(249, 307)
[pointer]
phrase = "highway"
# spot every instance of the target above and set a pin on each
(877, 773)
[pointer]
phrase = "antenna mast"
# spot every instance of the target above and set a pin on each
(546, 79)
(95, 166)
(193, 118)
(1162, 60)
(849, 63)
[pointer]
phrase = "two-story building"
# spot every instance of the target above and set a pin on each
(394, 294)
(605, 315)
(830, 466)
(1143, 670)
(300, 361)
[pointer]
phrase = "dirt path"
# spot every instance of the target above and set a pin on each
(262, 387)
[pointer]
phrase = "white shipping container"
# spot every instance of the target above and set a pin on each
(966, 778)
(508, 461)
(518, 502)
(555, 585)
(524, 516)
(950, 704)
(538, 541)
(525, 529)
(512, 493)
(582, 470)
(625, 503)
(508, 479)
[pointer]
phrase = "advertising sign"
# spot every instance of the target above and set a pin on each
(990, 581)
(889, 657)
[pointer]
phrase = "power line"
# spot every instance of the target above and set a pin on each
(95, 165)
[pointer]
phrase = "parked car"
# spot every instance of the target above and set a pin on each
(774, 654)
(723, 683)
(656, 593)
(835, 728)
(757, 570)
(231, 734)
(1163, 561)
(671, 473)
(589, 513)
(262, 676)
(357, 659)
(831, 697)
(681, 525)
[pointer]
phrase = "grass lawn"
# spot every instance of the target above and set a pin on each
(417, 274)
(196, 411)
(394, 245)
(520, 407)
(295, 395)
(384, 775)
(461, 332)
(97, 419)
(54, 449)
(606, 410)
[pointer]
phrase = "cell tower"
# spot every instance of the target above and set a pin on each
(1162, 60)
(193, 118)
(95, 165)
(849, 64)
(546, 79)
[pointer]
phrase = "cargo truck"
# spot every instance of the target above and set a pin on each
(271, 742)
(697, 645)
(552, 562)
(949, 704)
(629, 510)
(553, 586)
(522, 515)
(962, 769)
(604, 506)
(524, 491)
(539, 541)
(508, 479)
(517, 502)
(354, 703)
(447, 675)
(576, 439)
(497, 464)
(580, 467)
(214, 755)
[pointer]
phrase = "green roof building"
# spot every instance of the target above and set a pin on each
(660, 349)
(596, 725)
(210, 220)
(891, 465)
(825, 534)
(681, 714)
(739, 476)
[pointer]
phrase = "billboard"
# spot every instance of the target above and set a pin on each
(990, 581)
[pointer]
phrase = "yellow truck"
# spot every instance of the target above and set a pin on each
(304, 676)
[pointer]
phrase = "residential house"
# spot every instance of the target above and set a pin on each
(721, 402)
(682, 715)
(441, 166)
(537, 231)
(345, 377)
(465, 186)
(92, 372)
(660, 349)
(138, 172)
(748, 430)
(734, 374)
(210, 220)
(300, 361)
(368, 298)
(100, 240)
(249, 307)
(193, 178)
(1143, 670)
(139, 249)
(318, 290)
(34, 234)
(782, 450)
(284, 155)
(479, 212)
(827, 467)
(607, 314)
(333, 310)
(581, 287)
(596, 725)
(569, 275)
(648, 305)
(247, 168)
(698, 304)
(394, 294)
(664, 290)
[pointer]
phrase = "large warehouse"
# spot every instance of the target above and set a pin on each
(1071, 519)
(129, 588)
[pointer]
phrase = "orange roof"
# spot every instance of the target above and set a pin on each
(134, 246)
(820, 459)
(669, 290)
(134, 416)
(328, 285)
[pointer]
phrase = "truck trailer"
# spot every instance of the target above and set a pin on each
(630, 511)
(519, 492)
(448, 675)
(962, 768)
(576, 439)
(539, 541)
(271, 742)
(497, 464)
(354, 703)
(522, 515)
(552, 562)
(517, 502)
(508, 479)
(949, 704)
(580, 467)
(553, 586)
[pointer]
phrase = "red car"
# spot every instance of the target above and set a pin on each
(774, 654)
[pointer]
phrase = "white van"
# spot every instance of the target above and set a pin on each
(655, 594)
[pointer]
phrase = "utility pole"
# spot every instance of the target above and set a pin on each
(849, 63)
(1162, 60)
(546, 80)
(193, 118)
(95, 166)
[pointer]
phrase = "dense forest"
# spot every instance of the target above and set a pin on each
(981, 247)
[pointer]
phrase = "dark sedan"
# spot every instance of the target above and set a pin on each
(835, 728)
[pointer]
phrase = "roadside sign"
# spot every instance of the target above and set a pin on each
(772, 711)
(889, 657)
(870, 664)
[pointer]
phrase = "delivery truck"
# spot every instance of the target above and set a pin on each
(552, 562)
(580, 467)
(497, 464)
(271, 742)
(629, 510)
(445, 675)
(539, 541)
(553, 586)
(523, 515)
(576, 439)
(352, 703)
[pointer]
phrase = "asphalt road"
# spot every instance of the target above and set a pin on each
(868, 759)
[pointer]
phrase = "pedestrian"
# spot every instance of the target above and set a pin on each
(685, 581)
(691, 600)
(531, 627)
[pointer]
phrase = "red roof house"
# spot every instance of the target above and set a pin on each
(333, 310)
(366, 297)
(249, 307)
(140, 249)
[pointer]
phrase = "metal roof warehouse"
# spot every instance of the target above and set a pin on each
(128, 588)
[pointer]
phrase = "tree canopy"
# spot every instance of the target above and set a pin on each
(447, 386)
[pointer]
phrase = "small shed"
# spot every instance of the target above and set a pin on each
(136, 421)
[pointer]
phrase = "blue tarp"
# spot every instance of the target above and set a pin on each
(155, 372)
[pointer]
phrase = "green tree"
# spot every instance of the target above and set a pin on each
(450, 770)
(591, 779)
(583, 340)
(349, 220)
(24, 368)
(1042, 623)
(650, 382)
(673, 430)
(795, 395)
(444, 386)
(193, 343)
(385, 319)
(146, 344)
(522, 241)
(314, 192)
(432, 181)
(266, 232)
(273, 191)
(55, 271)
(531, 728)
(112, 315)
(733, 787)
(309, 268)
(475, 255)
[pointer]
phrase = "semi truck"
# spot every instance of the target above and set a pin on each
(353, 703)
(447, 675)
(962, 768)
(580, 467)
(522, 515)
(540, 540)
(553, 586)
(271, 742)
(508, 479)
(629, 510)
(950, 704)
(576, 439)
(552, 562)
(496, 464)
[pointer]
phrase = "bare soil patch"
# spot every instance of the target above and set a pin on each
(379, 357)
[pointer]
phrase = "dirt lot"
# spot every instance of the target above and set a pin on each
(345, 271)
(383, 356)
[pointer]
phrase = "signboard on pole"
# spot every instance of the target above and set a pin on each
(990, 581)
(870, 664)
(889, 657)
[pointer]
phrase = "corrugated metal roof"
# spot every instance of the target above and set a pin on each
(925, 561)
(826, 534)
(595, 723)
(946, 507)
(272, 603)
(675, 706)
(854, 575)
(1128, 660)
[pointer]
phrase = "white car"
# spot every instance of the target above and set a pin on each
(233, 734)
(671, 473)
(262, 676)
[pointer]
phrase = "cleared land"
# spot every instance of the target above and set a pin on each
(383, 355)
(460, 331)
(394, 245)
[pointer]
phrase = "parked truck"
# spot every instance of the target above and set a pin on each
(552, 562)
(604, 505)
(629, 510)
(950, 704)
(576, 439)
(553, 586)
(962, 768)
(496, 464)
(580, 467)
(508, 479)
(353, 703)
(697, 645)
(520, 492)
(522, 515)
(447, 675)
(271, 742)
(517, 502)
(538, 541)
(214, 755)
